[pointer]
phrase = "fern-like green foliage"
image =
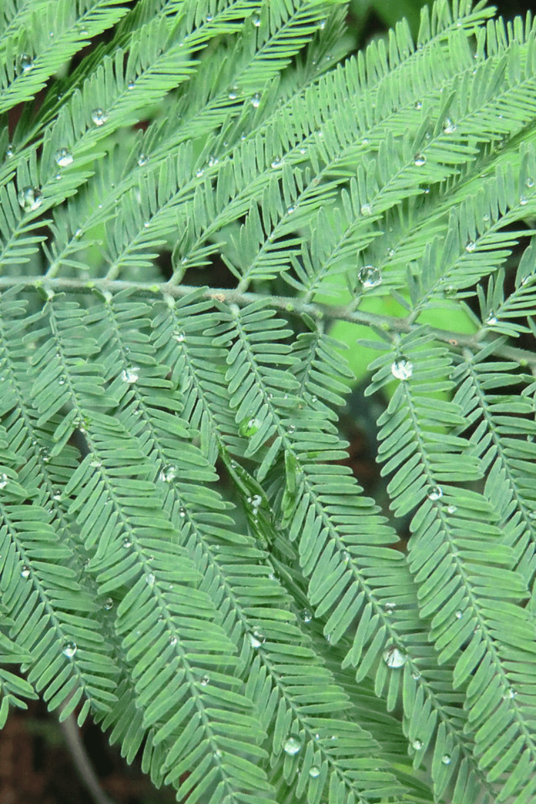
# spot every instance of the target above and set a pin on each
(188, 207)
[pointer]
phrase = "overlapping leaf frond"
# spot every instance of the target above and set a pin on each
(186, 554)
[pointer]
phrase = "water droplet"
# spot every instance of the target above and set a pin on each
(56, 495)
(131, 85)
(470, 247)
(108, 604)
(233, 94)
(256, 100)
(419, 160)
(417, 744)
(445, 759)
(451, 509)
(418, 105)
(199, 173)
(448, 126)
(314, 771)
(370, 277)
(435, 493)
(292, 745)
(204, 681)
(99, 116)
(511, 693)
(306, 615)
(256, 20)
(393, 657)
(459, 614)
(523, 200)
(391, 252)
(78, 234)
(416, 675)
(168, 473)
(277, 162)
(127, 543)
(9, 151)
(64, 157)
(256, 639)
(26, 62)
(251, 427)
(179, 337)
(3, 480)
(25, 571)
(70, 649)
(255, 501)
(322, 25)
(491, 319)
(290, 210)
(130, 375)
(209, 18)
(366, 209)
(150, 579)
(147, 224)
(291, 428)
(389, 607)
(182, 513)
(172, 639)
(529, 182)
(212, 160)
(142, 160)
(61, 381)
(30, 198)
(402, 369)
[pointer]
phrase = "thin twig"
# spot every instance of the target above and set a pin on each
(81, 761)
(288, 304)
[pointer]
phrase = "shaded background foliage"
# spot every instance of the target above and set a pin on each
(36, 765)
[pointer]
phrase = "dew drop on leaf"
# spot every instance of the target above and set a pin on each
(256, 20)
(491, 319)
(30, 198)
(292, 745)
(448, 126)
(150, 579)
(256, 639)
(529, 182)
(108, 604)
(402, 369)
(417, 744)
(25, 571)
(3, 480)
(418, 105)
(445, 759)
(127, 543)
(393, 657)
(131, 85)
(142, 160)
(389, 607)
(314, 771)
(523, 200)
(99, 116)
(306, 615)
(168, 473)
(212, 160)
(256, 100)
(70, 649)
(64, 157)
(470, 247)
(26, 62)
(129, 375)
(435, 493)
(370, 277)
(277, 162)
(366, 209)
(419, 160)
(451, 509)
(204, 681)
(459, 614)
